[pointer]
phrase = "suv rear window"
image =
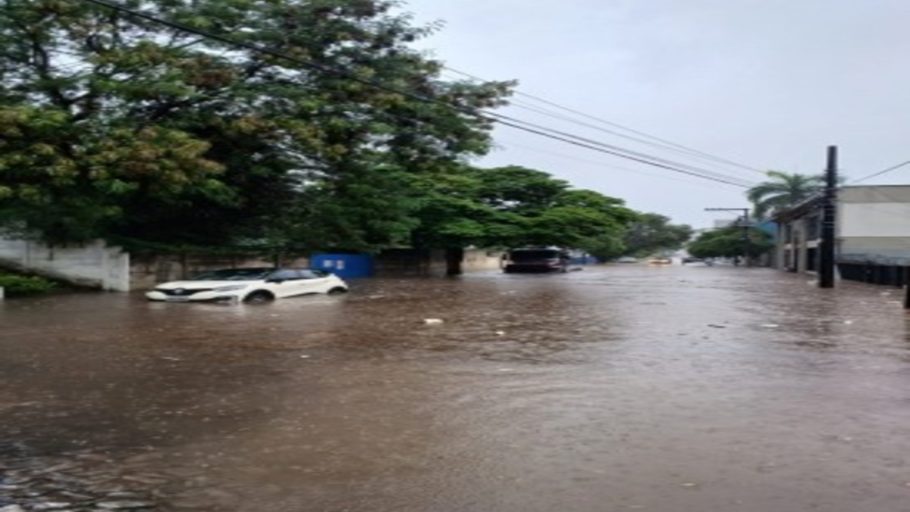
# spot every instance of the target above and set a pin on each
(531, 255)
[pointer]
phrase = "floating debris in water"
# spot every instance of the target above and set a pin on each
(121, 505)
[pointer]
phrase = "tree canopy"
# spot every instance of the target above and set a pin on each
(514, 206)
(783, 190)
(729, 243)
(119, 127)
(652, 233)
(114, 125)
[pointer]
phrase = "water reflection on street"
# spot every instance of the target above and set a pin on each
(622, 388)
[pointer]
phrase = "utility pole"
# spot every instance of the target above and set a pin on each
(829, 214)
(745, 226)
(746, 237)
(906, 289)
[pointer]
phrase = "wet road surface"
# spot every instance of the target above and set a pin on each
(622, 388)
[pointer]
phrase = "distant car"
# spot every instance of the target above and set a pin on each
(251, 285)
(660, 261)
(692, 259)
(627, 259)
(532, 259)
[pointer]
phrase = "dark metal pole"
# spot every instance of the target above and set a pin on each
(907, 286)
(826, 256)
(746, 237)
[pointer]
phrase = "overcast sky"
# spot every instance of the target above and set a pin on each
(768, 83)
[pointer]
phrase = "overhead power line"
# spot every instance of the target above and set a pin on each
(479, 113)
(630, 154)
(508, 144)
(657, 140)
(883, 171)
(551, 114)
(615, 153)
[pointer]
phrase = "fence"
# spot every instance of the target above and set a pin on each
(875, 273)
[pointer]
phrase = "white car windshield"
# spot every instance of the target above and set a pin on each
(234, 274)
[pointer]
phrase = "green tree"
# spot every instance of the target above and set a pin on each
(452, 213)
(783, 190)
(728, 243)
(518, 189)
(605, 247)
(580, 219)
(515, 206)
(652, 232)
(546, 211)
(119, 126)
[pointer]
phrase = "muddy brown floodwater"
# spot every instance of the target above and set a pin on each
(623, 388)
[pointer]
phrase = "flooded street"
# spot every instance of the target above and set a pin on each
(622, 388)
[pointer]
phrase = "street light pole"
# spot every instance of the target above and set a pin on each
(745, 218)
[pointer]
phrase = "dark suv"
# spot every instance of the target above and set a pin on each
(536, 260)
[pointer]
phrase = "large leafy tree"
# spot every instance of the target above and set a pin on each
(652, 233)
(452, 213)
(118, 126)
(783, 190)
(514, 206)
(547, 210)
(731, 242)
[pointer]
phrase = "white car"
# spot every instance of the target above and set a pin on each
(253, 285)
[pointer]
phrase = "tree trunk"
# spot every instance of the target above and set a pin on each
(454, 256)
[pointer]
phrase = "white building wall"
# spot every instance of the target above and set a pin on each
(94, 264)
(479, 259)
(874, 220)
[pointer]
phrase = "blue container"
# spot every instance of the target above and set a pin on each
(346, 266)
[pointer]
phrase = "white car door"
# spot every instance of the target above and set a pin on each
(285, 283)
(315, 282)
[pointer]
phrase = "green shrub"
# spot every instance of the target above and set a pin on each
(17, 285)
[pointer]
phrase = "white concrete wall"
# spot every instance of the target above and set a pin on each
(480, 259)
(874, 224)
(93, 264)
(874, 220)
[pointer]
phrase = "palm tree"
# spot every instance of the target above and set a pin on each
(783, 190)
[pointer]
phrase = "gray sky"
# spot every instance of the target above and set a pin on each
(768, 83)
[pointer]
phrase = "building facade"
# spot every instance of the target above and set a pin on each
(872, 234)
